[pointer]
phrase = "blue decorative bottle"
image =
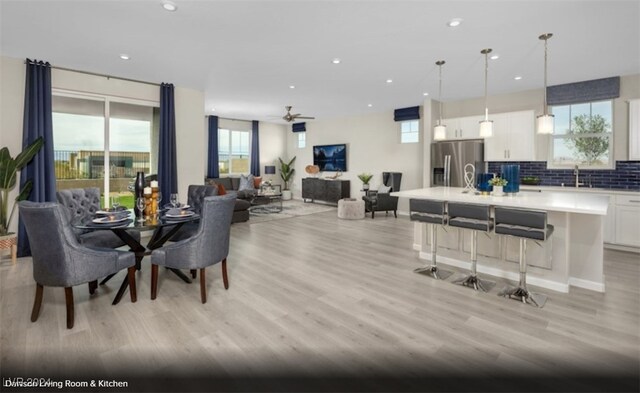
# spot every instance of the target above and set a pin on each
(483, 182)
(511, 173)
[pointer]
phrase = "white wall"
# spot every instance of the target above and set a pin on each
(373, 145)
(189, 107)
(273, 144)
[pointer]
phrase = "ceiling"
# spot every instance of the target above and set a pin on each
(245, 54)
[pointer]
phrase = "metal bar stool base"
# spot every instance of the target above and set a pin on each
(473, 281)
(522, 294)
(434, 271)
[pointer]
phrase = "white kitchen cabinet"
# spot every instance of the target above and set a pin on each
(467, 127)
(513, 137)
(627, 220)
(634, 130)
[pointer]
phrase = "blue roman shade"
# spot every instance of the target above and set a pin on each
(587, 91)
(299, 127)
(403, 114)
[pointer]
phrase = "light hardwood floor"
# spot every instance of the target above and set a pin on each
(314, 295)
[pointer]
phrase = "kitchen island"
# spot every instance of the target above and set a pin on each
(573, 256)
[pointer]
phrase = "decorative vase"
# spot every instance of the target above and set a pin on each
(286, 195)
(511, 173)
(497, 191)
(138, 191)
(10, 242)
(365, 187)
(483, 184)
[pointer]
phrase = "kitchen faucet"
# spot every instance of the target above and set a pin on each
(576, 172)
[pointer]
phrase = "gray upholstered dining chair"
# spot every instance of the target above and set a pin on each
(195, 199)
(207, 247)
(83, 203)
(60, 261)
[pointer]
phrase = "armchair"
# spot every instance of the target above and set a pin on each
(60, 261)
(383, 201)
(207, 247)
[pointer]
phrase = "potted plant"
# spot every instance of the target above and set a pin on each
(286, 173)
(365, 178)
(9, 168)
(498, 183)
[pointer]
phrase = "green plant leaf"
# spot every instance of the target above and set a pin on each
(26, 191)
(28, 153)
(7, 170)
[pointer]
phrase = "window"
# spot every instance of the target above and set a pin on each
(302, 140)
(233, 151)
(100, 141)
(583, 135)
(410, 131)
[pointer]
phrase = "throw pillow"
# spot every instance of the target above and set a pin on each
(246, 183)
(256, 181)
(384, 189)
(221, 190)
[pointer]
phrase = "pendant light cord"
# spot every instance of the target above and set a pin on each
(440, 94)
(545, 78)
(486, 77)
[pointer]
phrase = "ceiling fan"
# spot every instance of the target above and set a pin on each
(289, 117)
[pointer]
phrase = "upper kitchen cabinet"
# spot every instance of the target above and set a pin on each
(513, 137)
(634, 130)
(467, 127)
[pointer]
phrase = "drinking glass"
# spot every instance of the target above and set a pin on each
(174, 200)
(115, 201)
(159, 197)
(141, 204)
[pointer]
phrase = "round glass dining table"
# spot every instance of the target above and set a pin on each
(163, 228)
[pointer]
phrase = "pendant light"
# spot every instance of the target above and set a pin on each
(545, 121)
(440, 130)
(486, 125)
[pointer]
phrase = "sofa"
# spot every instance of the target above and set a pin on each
(243, 198)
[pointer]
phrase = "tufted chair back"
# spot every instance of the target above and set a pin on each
(196, 195)
(80, 203)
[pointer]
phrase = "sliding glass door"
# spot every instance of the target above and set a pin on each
(102, 141)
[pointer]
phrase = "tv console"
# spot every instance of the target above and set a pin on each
(332, 191)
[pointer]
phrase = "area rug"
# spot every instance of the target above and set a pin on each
(290, 209)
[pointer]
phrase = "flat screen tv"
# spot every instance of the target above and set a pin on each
(330, 158)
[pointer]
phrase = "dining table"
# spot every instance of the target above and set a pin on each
(163, 226)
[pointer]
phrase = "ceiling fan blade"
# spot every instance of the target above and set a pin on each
(296, 115)
(304, 117)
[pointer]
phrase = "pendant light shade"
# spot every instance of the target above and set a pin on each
(486, 125)
(440, 130)
(545, 121)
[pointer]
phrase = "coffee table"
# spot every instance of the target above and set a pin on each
(266, 203)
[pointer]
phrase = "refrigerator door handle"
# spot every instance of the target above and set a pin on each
(447, 169)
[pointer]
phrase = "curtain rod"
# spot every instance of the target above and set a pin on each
(228, 118)
(100, 75)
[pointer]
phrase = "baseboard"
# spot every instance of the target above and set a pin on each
(513, 276)
(619, 247)
(586, 284)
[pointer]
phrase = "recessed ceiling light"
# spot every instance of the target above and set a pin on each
(335, 61)
(425, 94)
(495, 57)
(455, 22)
(370, 105)
(292, 87)
(517, 77)
(389, 80)
(125, 57)
(169, 6)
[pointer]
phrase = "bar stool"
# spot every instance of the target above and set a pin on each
(477, 218)
(431, 213)
(523, 224)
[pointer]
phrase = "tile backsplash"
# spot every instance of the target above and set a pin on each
(626, 176)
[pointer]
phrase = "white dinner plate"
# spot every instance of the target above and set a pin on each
(108, 220)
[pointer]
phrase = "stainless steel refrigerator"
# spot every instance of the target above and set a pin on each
(448, 159)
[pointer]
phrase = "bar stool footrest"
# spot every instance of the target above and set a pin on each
(434, 271)
(523, 295)
(473, 281)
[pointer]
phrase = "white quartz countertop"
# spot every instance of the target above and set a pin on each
(584, 203)
(609, 191)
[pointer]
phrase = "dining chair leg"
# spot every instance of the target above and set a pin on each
(154, 281)
(93, 285)
(194, 273)
(68, 295)
(203, 287)
(225, 279)
(37, 302)
(131, 276)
